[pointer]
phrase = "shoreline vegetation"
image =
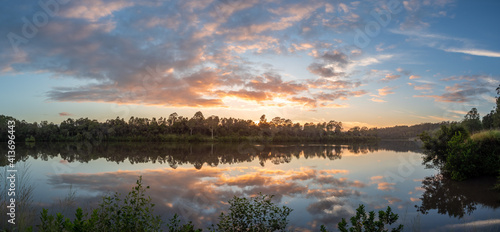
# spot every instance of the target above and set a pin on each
(200, 129)
(468, 149)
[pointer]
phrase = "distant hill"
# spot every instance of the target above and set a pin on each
(407, 132)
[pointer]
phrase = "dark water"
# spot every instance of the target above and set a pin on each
(321, 182)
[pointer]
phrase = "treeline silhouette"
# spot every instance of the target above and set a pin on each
(177, 128)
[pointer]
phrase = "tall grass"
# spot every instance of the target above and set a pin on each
(489, 135)
(25, 213)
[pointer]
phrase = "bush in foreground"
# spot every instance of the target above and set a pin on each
(255, 214)
(132, 213)
(365, 222)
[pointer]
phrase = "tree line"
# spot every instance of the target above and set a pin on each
(472, 120)
(177, 128)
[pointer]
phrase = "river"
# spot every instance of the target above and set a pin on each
(322, 183)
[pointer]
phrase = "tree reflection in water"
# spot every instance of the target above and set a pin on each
(457, 198)
(176, 154)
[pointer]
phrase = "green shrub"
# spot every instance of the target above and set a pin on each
(364, 221)
(133, 213)
(437, 146)
(462, 161)
(255, 214)
(175, 225)
(472, 157)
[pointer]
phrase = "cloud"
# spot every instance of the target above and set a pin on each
(64, 114)
(330, 210)
(412, 199)
(377, 100)
(390, 77)
(305, 101)
(442, 42)
(417, 12)
(335, 57)
(386, 91)
(475, 52)
(482, 78)
(392, 200)
(403, 71)
(385, 186)
(323, 70)
(323, 83)
(379, 47)
(367, 61)
(191, 53)
(486, 224)
(414, 77)
(422, 86)
(329, 63)
(458, 93)
(339, 94)
(93, 10)
(272, 82)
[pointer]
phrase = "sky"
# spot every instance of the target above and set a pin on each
(372, 63)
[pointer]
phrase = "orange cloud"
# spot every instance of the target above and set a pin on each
(392, 200)
(390, 77)
(64, 114)
(385, 91)
(385, 186)
(377, 100)
(333, 171)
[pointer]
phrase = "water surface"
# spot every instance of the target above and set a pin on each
(322, 183)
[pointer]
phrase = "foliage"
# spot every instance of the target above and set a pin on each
(462, 161)
(462, 156)
(175, 225)
(364, 221)
(177, 128)
(133, 213)
(492, 119)
(51, 223)
(489, 135)
(255, 214)
(437, 145)
(472, 121)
